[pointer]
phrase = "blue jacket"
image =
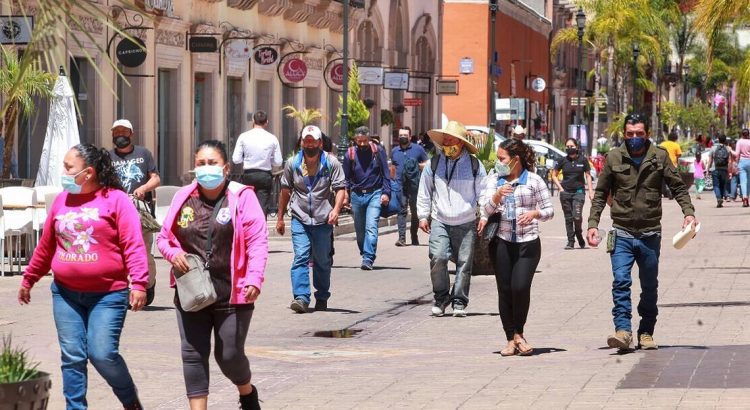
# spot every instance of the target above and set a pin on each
(368, 170)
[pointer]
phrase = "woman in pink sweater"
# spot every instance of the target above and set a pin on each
(94, 249)
(236, 261)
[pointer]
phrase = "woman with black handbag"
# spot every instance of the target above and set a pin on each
(204, 217)
(513, 201)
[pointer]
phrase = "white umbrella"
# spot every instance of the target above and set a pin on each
(62, 133)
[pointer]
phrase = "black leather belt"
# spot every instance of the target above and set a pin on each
(365, 191)
(253, 171)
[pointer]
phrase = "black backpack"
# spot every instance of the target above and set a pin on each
(721, 156)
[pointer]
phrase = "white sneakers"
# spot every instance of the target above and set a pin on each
(458, 311)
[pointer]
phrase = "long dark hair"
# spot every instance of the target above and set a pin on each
(99, 159)
(517, 148)
(214, 144)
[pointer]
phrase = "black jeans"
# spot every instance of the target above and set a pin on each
(572, 206)
(262, 181)
(408, 204)
(721, 182)
(229, 326)
(515, 264)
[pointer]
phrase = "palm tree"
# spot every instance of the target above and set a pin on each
(305, 116)
(19, 86)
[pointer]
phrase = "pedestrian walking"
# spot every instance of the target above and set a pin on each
(447, 205)
(90, 224)
(699, 175)
(742, 155)
(259, 152)
(576, 173)
(221, 223)
(675, 152)
(518, 199)
(633, 176)
(718, 164)
(366, 167)
(734, 174)
(136, 168)
(313, 185)
(407, 161)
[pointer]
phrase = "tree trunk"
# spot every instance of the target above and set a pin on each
(611, 82)
(655, 129)
(11, 117)
(597, 88)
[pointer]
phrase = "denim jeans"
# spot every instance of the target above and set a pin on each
(734, 182)
(457, 240)
(89, 325)
(408, 203)
(572, 206)
(721, 181)
(366, 212)
(744, 166)
(645, 253)
(315, 241)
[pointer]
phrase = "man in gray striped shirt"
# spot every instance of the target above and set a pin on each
(446, 205)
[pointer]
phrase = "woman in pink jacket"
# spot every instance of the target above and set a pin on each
(92, 247)
(236, 271)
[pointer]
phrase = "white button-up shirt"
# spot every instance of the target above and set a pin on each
(257, 149)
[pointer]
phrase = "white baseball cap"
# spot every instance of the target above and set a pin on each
(123, 123)
(312, 131)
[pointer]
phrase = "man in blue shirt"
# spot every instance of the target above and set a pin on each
(407, 162)
(365, 167)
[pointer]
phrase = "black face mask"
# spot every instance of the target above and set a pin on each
(121, 141)
(311, 152)
(363, 147)
(403, 140)
(571, 150)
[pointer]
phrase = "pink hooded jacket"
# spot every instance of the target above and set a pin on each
(249, 245)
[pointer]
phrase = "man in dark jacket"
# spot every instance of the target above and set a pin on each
(633, 176)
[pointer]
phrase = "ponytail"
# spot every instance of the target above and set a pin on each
(99, 159)
(517, 148)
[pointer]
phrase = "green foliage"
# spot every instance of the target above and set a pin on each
(487, 155)
(305, 116)
(15, 365)
(670, 114)
(603, 148)
(698, 117)
(358, 112)
(386, 118)
(616, 126)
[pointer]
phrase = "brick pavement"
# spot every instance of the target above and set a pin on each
(403, 358)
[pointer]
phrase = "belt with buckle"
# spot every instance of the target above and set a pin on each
(365, 191)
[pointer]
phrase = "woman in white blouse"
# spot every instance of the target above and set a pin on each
(514, 199)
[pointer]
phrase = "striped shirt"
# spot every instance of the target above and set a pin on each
(453, 198)
(530, 194)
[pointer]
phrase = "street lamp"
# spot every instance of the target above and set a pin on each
(685, 71)
(581, 23)
(636, 53)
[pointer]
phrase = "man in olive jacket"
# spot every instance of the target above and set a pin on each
(633, 176)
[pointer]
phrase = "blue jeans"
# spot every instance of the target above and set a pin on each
(315, 240)
(89, 325)
(447, 240)
(733, 185)
(644, 252)
(744, 166)
(366, 213)
(721, 182)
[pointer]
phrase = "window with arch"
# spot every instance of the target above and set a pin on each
(425, 64)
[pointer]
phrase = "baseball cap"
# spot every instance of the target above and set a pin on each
(312, 131)
(123, 123)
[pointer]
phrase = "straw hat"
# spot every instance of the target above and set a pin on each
(453, 129)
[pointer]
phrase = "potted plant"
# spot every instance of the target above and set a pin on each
(21, 384)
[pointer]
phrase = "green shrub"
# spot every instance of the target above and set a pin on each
(15, 365)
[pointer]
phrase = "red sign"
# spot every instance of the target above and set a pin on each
(337, 74)
(412, 102)
(295, 70)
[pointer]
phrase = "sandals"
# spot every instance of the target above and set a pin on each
(509, 351)
(520, 343)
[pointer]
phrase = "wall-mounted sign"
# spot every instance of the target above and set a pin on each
(466, 66)
(393, 80)
(507, 109)
(131, 53)
(16, 29)
(371, 75)
(420, 85)
(295, 70)
(337, 74)
(266, 55)
(538, 84)
(446, 87)
(412, 102)
(203, 44)
(238, 49)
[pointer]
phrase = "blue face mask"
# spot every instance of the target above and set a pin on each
(69, 183)
(635, 144)
(209, 176)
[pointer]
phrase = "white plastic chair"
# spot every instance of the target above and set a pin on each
(41, 213)
(18, 221)
(164, 196)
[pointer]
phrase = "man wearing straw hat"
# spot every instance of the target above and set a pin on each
(519, 132)
(446, 205)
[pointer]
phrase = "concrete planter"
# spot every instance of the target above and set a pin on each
(28, 395)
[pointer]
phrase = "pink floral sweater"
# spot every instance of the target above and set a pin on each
(92, 242)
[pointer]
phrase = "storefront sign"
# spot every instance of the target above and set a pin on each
(203, 44)
(446, 87)
(16, 29)
(337, 74)
(421, 85)
(538, 84)
(394, 80)
(266, 55)
(371, 75)
(131, 53)
(237, 49)
(295, 70)
(412, 102)
(466, 66)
